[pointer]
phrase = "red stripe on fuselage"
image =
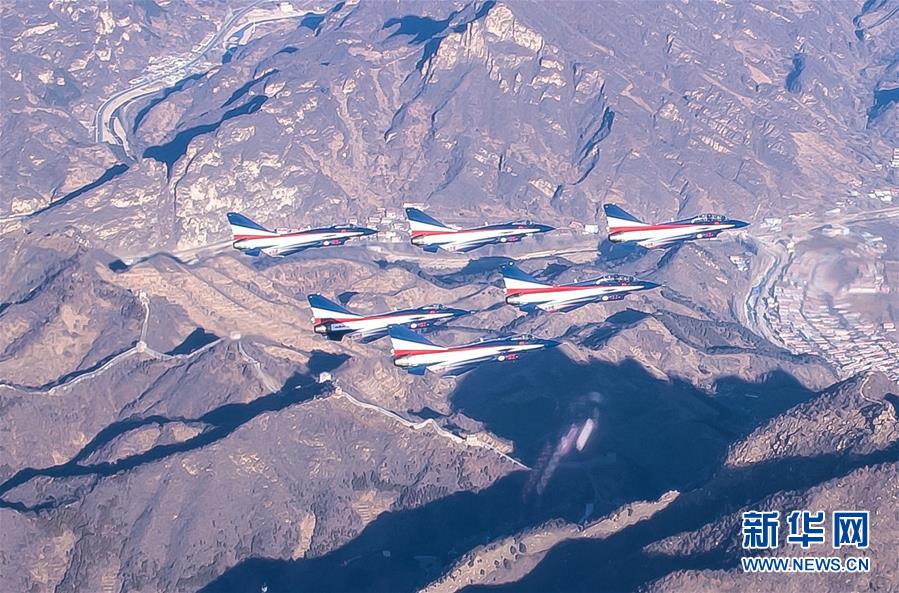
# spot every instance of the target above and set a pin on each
(398, 353)
(429, 233)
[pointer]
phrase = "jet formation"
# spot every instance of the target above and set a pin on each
(414, 353)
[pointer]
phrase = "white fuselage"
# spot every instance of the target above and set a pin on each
(291, 240)
(566, 294)
(452, 239)
(382, 322)
(457, 356)
(668, 233)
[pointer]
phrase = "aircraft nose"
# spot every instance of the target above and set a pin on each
(544, 228)
(459, 312)
(647, 285)
(366, 232)
(551, 343)
(739, 224)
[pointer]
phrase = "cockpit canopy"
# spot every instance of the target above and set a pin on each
(705, 219)
(615, 279)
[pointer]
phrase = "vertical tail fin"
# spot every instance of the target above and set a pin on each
(323, 308)
(515, 280)
(618, 219)
(243, 228)
(422, 224)
(406, 341)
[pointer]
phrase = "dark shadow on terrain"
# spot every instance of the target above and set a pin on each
(418, 28)
(322, 362)
(600, 333)
(793, 84)
(33, 292)
(229, 54)
(652, 436)
(618, 563)
(108, 175)
(162, 96)
(427, 413)
(222, 421)
(430, 32)
(475, 270)
(442, 529)
(245, 88)
(531, 402)
(171, 151)
(194, 341)
(893, 400)
(619, 253)
(552, 271)
(118, 265)
(883, 100)
(312, 21)
(69, 376)
(344, 297)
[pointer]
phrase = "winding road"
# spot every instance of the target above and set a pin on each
(108, 125)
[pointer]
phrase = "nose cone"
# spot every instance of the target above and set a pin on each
(366, 231)
(739, 224)
(544, 228)
(647, 285)
(458, 312)
(551, 343)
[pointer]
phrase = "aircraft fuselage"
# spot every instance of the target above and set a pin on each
(453, 240)
(291, 241)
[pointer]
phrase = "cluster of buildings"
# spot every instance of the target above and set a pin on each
(391, 224)
(884, 195)
(837, 326)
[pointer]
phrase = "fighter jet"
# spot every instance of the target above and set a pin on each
(416, 355)
(430, 234)
(527, 293)
(253, 239)
(334, 322)
(624, 227)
